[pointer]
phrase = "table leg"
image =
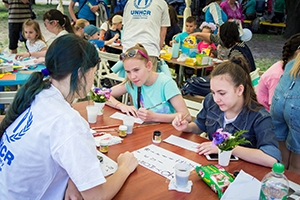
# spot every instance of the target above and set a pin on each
(180, 76)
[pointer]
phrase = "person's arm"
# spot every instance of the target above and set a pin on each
(71, 10)
(202, 36)
(117, 91)
(176, 101)
(256, 156)
(39, 54)
(127, 164)
(72, 192)
(163, 32)
(108, 42)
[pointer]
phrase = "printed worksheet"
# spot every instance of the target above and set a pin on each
(161, 161)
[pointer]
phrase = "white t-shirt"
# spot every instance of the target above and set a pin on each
(142, 23)
(45, 146)
(37, 46)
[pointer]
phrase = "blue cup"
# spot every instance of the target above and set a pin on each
(175, 50)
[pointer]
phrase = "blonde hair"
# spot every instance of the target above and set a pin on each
(80, 23)
(35, 25)
(295, 71)
(137, 56)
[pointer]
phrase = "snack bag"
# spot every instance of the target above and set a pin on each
(216, 177)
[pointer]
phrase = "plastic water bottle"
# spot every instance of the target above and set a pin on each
(274, 185)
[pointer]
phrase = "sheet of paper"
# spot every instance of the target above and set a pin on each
(181, 142)
(108, 166)
(237, 188)
(161, 161)
(8, 77)
(121, 116)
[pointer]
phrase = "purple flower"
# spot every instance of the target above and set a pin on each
(217, 138)
(100, 95)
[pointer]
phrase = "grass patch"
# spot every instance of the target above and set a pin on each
(265, 63)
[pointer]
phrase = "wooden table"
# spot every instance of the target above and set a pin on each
(145, 184)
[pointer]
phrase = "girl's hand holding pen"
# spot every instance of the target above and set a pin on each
(180, 123)
(145, 114)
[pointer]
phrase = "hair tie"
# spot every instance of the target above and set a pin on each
(236, 61)
(45, 72)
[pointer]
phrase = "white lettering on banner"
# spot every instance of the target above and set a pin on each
(6, 156)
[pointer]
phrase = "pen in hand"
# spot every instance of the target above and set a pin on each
(156, 105)
(187, 114)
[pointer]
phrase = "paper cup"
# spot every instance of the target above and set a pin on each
(182, 174)
(92, 113)
(128, 121)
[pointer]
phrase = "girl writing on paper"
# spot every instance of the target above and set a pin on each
(35, 41)
(55, 152)
(155, 96)
(232, 105)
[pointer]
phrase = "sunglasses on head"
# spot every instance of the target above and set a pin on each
(132, 53)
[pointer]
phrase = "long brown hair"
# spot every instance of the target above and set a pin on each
(238, 70)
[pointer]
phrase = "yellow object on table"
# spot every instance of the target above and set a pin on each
(190, 61)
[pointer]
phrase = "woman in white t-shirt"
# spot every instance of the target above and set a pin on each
(46, 142)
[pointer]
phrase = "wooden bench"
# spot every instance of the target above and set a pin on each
(265, 23)
(281, 25)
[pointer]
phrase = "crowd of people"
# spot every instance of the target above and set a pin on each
(269, 115)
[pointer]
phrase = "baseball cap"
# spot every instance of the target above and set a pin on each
(117, 19)
(91, 30)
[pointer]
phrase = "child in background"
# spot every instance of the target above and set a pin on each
(232, 105)
(79, 25)
(207, 28)
(35, 40)
(190, 26)
(91, 33)
(112, 31)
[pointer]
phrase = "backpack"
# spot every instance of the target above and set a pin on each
(196, 85)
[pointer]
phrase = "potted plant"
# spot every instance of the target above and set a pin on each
(226, 142)
(100, 96)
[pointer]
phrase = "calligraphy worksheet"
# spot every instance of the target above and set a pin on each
(161, 161)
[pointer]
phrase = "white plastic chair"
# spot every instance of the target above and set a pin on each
(104, 71)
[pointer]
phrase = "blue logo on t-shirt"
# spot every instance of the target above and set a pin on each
(142, 4)
(7, 156)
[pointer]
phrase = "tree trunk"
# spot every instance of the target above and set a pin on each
(293, 16)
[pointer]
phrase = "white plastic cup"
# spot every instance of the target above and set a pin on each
(128, 121)
(92, 113)
(182, 174)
